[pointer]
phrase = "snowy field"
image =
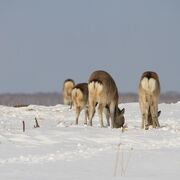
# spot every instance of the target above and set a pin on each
(61, 150)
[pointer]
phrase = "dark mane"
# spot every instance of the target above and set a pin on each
(71, 80)
(150, 74)
(95, 80)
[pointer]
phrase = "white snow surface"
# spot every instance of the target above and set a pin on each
(59, 149)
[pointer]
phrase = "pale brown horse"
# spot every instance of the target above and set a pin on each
(67, 89)
(80, 100)
(149, 92)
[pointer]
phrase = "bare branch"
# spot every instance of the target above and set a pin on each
(23, 126)
(36, 125)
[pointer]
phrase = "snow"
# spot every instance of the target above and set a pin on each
(59, 149)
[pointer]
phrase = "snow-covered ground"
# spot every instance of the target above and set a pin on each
(61, 150)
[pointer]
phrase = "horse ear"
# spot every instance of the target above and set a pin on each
(123, 111)
(159, 113)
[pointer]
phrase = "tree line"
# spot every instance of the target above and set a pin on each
(54, 98)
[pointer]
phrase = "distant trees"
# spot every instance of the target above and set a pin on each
(50, 99)
(46, 99)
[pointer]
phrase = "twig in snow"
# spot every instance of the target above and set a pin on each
(128, 160)
(23, 126)
(120, 157)
(117, 160)
(37, 125)
(124, 161)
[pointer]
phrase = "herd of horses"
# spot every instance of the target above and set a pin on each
(101, 93)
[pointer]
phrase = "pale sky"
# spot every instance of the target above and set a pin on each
(44, 42)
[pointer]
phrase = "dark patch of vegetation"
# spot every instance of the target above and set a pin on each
(50, 99)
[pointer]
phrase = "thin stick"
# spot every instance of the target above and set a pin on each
(37, 125)
(122, 162)
(23, 126)
(117, 160)
(128, 160)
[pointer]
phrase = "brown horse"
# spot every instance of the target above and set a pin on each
(103, 91)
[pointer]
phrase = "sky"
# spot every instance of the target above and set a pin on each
(44, 42)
